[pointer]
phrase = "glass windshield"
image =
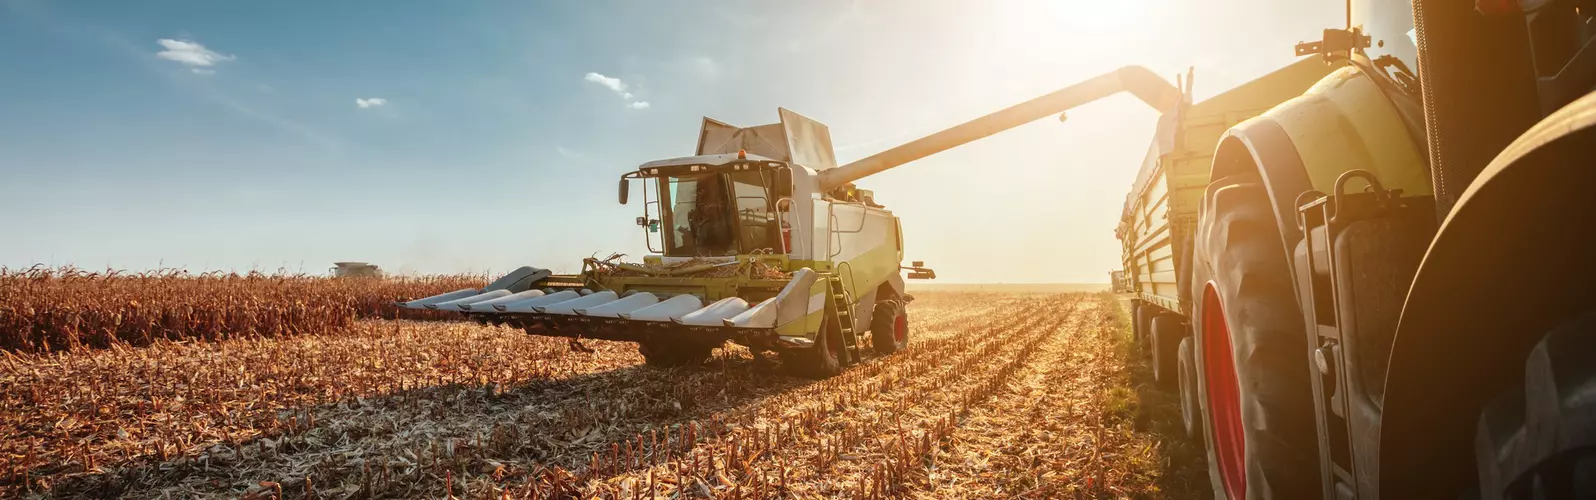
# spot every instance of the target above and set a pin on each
(699, 220)
(756, 217)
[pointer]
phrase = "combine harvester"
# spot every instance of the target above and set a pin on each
(752, 242)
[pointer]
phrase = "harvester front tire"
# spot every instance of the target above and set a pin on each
(1251, 351)
(1144, 325)
(889, 327)
(822, 360)
(674, 354)
(1167, 334)
(1189, 410)
(1538, 440)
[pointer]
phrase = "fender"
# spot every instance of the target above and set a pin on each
(1343, 122)
(1511, 261)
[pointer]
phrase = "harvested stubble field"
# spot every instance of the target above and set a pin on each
(999, 396)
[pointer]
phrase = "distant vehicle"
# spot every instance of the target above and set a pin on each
(355, 270)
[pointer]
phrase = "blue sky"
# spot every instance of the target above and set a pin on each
(468, 136)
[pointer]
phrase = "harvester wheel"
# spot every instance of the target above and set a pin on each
(674, 354)
(1144, 326)
(889, 328)
(1538, 440)
(822, 360)
(1189, 412)
(1251, 351)
(1167, 333)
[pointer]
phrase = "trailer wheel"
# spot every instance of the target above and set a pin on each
(1143, 327)
(665, 354)
(1251, 351)
(822, 360)
(889, 329)
(1167, 333)
(1189, 412)
(1538, 440)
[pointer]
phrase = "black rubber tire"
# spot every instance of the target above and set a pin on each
(1144, 326)
(1538, 441)
(1167, 333)
(1136, 328)
(674, 354)
(883, 326)
(1189, 412)
(1240, 253)
(817, 361)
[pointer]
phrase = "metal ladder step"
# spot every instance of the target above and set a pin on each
(844, 317)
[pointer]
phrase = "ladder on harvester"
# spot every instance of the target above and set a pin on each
(844, 318)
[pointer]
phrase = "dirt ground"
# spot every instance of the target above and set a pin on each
(1000, 395)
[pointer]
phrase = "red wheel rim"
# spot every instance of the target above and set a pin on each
(1224, 397)
(900, 329)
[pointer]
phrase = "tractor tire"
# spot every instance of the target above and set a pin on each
(665, 354)
(1190, 413)
(820, 361)
(1144, 326)
(889, 327)
(1538, 441)
(1167, 333)
(1251, 351)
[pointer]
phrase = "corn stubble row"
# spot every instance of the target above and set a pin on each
(47, 309)
(408, 409)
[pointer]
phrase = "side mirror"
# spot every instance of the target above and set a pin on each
(625, 187)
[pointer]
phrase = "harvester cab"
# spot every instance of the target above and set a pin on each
(747, 243)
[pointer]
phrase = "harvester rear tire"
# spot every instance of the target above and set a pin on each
(1144, 326)
(674, 354)
(1538, 440)
(1167, 334)
(1251, 350)
(1189, 410)
(889, 328)
(820, 360)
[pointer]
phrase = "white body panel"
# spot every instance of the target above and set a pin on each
(570, 306)
(712, 315)
(666, 310)
(614, 308)
(494, 294)
(525, 306)
(514, 297)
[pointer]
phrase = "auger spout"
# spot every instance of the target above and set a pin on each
(1137, 80)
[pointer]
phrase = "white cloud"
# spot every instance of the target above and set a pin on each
(202, 71)
(614, 84)
(371, 102)
(618, 87)
(569, 153)
(190, 53)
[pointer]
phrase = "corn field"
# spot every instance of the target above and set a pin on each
(46, 309)
(998, 396)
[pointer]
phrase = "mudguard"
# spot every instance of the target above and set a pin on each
(1510, 262)
(1344, 122)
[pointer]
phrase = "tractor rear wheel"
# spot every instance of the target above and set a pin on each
(665, 354)
(889, 327)
(822, 360)
(1251, 350)
(1189, 411)
(1538, 440)
(1167, 333)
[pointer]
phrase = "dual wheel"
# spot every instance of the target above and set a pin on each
(1165, 337)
